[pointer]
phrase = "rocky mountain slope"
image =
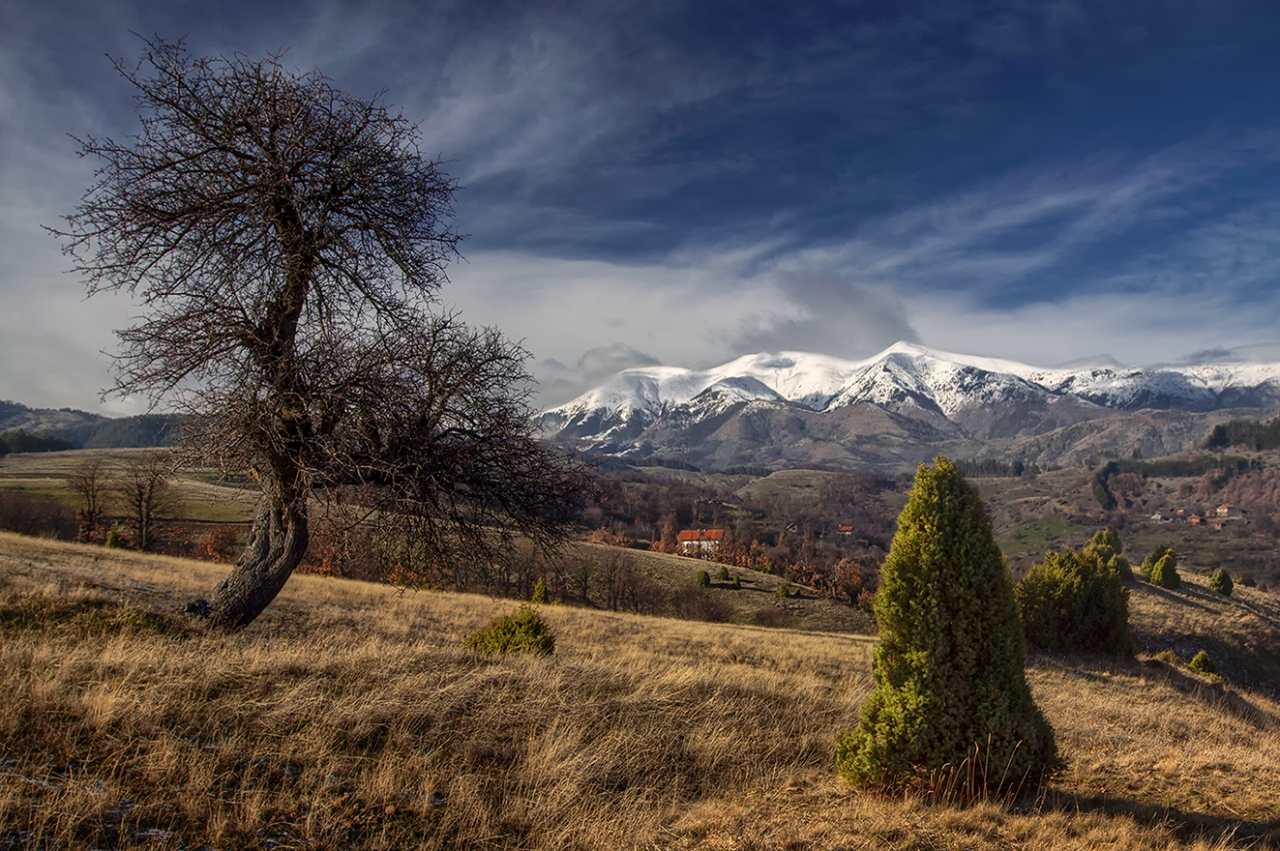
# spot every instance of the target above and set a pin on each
(904, 404)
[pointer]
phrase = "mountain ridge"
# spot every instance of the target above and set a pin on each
(971, 404)
(86, 430)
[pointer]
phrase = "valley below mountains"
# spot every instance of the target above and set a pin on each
(904, 405)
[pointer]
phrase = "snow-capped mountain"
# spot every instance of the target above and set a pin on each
(906, 394)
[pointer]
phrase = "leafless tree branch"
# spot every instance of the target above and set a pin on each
(288, 241)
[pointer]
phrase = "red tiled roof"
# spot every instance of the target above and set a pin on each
(701, 535)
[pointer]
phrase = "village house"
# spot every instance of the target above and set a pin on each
(846, 530)
(1194, 519)
(695, 542)
(1224, 510)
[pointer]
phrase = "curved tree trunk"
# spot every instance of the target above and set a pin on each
(280, 535)
(276, 546)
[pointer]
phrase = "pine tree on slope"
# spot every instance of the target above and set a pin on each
(949, 667)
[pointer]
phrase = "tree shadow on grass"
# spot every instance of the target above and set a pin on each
(1229, 699)
(1188, 826)
(1180, 596)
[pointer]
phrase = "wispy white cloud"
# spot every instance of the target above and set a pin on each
(1134, 328)
(686, 182)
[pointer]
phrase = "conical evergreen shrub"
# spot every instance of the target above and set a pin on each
(1154, 556)
(1165, 572)
(949, 667)
(1106, 543)
(1108, 547)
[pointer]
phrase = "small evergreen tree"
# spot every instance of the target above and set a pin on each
(1106, 543)
(703, 579)
(1102, 494)
(1108, 547)
(1202, 664)
(949, 667)
(1221, 582)
(539, 594)
(1120, 565)
(1165, 572)
(1154, 556)
(1074, 602)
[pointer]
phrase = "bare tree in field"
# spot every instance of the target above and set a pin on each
(288, 241)
(144, 489)
(89, 482)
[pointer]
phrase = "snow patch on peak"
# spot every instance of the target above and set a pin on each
(904, 377)
(741, 388)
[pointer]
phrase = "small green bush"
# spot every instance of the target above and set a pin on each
(1221, 582)
(724, 574)
(522, 632)
(1108, 547)
(737, 583)
(1073, 602)
(113, 539)
(784, 591)
(1202, 664)
(1120, 565)
(1106, 543)
(703, 579)
(539, 594)
(1154, 556)
(1165, 572)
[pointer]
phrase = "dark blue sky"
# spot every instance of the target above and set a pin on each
(687, 181)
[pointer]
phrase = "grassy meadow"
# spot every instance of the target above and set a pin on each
(350, 716)
(200, 497)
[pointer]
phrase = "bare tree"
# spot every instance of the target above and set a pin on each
(89, 483)
(144, 489)
(289, 240)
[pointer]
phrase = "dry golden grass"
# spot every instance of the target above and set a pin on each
(1239, 631)
(350, 717)
(200, 496)
(807, 610)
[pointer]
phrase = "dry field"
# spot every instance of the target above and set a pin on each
(350, 717)
(200, 495)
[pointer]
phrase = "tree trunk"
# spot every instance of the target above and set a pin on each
(276, 546)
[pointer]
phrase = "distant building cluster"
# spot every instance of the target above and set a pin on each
(1221, 516)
